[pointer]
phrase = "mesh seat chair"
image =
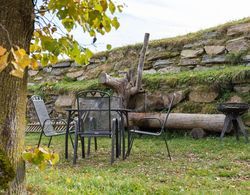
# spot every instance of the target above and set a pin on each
(144, 131)
(116, 102)
(47, 124)
(94, 119)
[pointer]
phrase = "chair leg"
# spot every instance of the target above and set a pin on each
(165, 139)
(89, 143)
(130, 144)
(71, 141)
(83, 146)
(49, 141)
(40, 138)
(75, 148)
(112, 150)
(113, 141)
(129, 139)
(95, 144)
(117, 142)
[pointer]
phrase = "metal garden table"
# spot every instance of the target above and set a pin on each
(120, 136)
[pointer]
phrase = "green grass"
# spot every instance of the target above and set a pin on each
(153, 82)
(186, 78)
(205, 166)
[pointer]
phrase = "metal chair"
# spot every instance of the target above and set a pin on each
(116, 102)
(47, 124)
(94, 120)
(144, 131)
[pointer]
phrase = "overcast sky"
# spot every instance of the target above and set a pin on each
(168, 18)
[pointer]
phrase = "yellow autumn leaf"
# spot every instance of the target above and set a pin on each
(34, 64)
(54, 158)
(43, 150)
(35, 48)
(21, 58)
(4, 61)
(24, 62)
(19, 53)
(68, 180)
(2, 51)
(17, 73)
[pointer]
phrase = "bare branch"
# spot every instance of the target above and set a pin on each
(141, 62)
(7, 33)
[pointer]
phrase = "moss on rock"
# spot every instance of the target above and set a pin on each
(7, 172)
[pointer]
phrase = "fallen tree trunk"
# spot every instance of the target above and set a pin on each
(183, 121)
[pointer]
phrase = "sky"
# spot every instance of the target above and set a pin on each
(166, 18)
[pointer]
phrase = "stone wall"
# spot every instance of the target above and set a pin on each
(218, 47)
(222, 45)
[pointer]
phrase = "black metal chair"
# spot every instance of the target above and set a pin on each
(48, 124)
(116, 102)
(144, 131)
(94, 120)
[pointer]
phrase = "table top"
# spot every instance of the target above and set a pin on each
(111, 109)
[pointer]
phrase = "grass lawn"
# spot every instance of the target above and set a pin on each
(205, 166)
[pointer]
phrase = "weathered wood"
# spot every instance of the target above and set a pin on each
(127, 86)
(209, 122)
(138, 83)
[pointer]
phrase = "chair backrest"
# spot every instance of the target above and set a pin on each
(99, 100)
(169, 107)
(42, 115)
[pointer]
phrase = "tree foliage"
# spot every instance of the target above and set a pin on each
(40, 157)
(55, 20)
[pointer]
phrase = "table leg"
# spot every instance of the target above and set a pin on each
(225, 126)
(236, 129)
(242, 127)
(123, 138)
(117, 143)
(67, 135)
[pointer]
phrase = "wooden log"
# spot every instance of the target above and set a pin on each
(182, 121)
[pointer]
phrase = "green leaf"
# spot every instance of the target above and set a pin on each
(44, 59)
(115, 23)
(111, 7)
(120, 7)
(98, 7)
(109, 47)
(27, 156)
(106, 22)
(92, 33)
(68, 23)
(88, 53)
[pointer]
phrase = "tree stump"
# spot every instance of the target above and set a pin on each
(128, 85)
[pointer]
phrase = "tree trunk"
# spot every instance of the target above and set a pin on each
(209, 122)
(16, 28)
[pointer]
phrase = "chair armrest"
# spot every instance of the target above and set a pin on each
(55, 120)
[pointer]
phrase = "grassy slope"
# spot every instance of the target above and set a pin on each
(153, 81)
(206, 77)
(205, 166)
(183, 39)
